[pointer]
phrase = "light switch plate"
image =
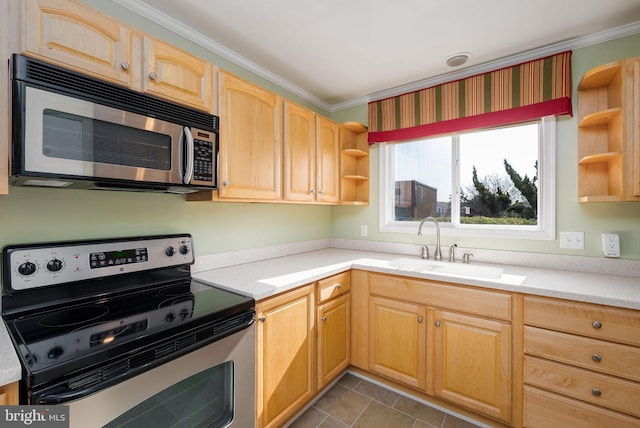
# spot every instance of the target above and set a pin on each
(572, 240)
(611, 244)
(363, 230)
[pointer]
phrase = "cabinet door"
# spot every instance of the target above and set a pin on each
(285, 355)
(78, 37)
(397, 338)
(250, 140)
(9, 394)
(334, 339)
(472, 362)
(172, 73)
(327, 158)
(299, 153)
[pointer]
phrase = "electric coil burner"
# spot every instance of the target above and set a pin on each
(86, 315)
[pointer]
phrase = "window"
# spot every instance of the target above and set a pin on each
(494, 182)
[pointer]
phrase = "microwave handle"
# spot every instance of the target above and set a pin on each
(187, 174)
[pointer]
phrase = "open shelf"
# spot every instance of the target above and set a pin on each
(354, 164)
(603, 107)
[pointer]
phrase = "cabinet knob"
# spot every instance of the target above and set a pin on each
(337, 286)
(323, 318)
(437, 323)
(596, 392)
(312, 191)
(262, 319)
(420, 320)
(596, 357)
(153, 76)
(124, 65)
(596, 324)
(320, 192)
(226, 183)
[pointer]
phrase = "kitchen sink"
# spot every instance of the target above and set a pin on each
(447, 268)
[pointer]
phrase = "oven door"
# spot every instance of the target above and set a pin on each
(67, 136)
(213, 386)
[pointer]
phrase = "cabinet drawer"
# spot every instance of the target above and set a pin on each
(334, 286)
(607, 391)
(450, 296)
(605, 357)
(544, 409)
(600, 322)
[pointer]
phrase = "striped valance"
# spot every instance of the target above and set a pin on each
(514, 94)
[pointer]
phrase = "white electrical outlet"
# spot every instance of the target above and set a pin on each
(611, 244)
(572, 240)
(363, 230)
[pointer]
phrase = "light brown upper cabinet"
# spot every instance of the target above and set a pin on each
(311, 156)
(78, 37)
(75, 36)
(174, 74)
(250, 141)
(609, 133)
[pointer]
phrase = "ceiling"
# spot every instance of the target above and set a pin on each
(336, 53)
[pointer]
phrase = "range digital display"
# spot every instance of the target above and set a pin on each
(116, 258)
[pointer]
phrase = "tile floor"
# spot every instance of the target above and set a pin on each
(356, 402)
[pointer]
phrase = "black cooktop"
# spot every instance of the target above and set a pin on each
(179, 317)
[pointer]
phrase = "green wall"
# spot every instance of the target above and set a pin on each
(32, 215)
(593, 219)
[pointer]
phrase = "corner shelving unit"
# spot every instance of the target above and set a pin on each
(354, 164)
(601, 134)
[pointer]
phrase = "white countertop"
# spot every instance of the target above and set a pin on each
(263, 278)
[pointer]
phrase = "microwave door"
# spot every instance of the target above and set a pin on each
(68, 136)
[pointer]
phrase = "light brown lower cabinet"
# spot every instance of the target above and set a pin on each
(285, 354)
(472, 362)
(301, 346)
(581, 364)
(9, 394)
(458, 350)
(397, 340)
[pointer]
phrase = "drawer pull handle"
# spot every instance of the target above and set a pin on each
(596, 357)
(596, 392)
(438, 323)
(596, 324)
(420, 319)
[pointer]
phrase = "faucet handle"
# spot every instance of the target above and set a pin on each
(466, 257)
(425, 251)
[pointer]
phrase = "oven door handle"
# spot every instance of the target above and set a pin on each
(65, 396)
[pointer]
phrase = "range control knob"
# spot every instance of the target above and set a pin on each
(170, 317)
(170, 251)
(54, 265)
(184, 249)
(27, 268)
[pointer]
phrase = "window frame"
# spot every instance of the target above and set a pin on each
(546, 227)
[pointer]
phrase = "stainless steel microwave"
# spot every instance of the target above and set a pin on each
(72, 130)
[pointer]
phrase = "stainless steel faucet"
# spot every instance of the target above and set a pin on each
(438, 253)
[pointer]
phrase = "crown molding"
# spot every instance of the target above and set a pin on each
(199, 39)
(179, 28)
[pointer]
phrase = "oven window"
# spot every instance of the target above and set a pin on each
(202, 400)
(69, 136)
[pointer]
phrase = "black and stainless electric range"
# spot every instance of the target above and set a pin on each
(86, 315)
